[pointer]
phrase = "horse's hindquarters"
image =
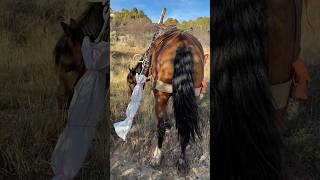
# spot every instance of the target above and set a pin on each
(284, 18)
(164, 54)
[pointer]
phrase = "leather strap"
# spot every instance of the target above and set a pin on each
(281, 93)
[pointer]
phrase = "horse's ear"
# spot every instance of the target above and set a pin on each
(66, 28)
(73, 23)
(130, 70)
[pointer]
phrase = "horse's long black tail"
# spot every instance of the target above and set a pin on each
(246, 141)
(184, 99)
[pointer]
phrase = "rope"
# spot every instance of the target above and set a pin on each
(145, 58)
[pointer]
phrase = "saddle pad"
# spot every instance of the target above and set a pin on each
(167, 88)
(280, 93)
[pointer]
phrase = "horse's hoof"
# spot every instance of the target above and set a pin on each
(168, 125)
(156, 159)
(183, 166)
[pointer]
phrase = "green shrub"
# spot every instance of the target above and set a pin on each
(125, 15)
(201, 23)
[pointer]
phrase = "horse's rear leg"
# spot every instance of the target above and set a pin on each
(161, 101)
(183, 165)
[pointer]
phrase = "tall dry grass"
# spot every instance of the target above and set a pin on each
(30, 121)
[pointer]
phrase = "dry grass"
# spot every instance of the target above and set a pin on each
(130, 159)
(301, 135)
(30, 120)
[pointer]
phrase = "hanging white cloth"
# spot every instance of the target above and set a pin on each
(86, 110)
(122, 128)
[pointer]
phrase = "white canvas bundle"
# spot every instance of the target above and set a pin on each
(86, 110)
(122, 128)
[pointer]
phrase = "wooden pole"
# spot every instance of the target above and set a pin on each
(162, 15)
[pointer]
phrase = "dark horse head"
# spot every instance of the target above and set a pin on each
(131, 78)
(67, 52)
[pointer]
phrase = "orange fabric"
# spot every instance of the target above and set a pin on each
(204, 87)
(204, 83)
(303, 78)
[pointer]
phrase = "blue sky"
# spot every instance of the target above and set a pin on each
(178, 9)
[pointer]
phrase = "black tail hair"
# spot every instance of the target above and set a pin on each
(184, 98)
(246, 141)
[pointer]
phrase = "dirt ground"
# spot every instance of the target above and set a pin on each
(301, 133)
(301, 129)
(131, 159)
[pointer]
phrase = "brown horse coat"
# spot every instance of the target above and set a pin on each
(164, 51)
(284, 28)
(177, 61)
(284, 31)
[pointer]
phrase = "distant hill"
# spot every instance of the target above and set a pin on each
(124, 16)
(201, 23)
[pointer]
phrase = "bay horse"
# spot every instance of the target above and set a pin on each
(67, 52)
(177, 70)
(255, 43)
